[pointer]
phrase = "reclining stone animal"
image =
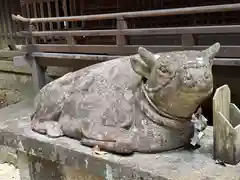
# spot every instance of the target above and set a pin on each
(139, 103)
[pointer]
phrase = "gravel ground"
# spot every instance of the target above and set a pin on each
(8, 160)
(9, 172)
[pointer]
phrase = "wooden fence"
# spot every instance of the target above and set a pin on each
(8, 27)
(122, 33)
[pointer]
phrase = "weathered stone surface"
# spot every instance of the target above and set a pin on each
(8, 155)
(178, 164)
(140, 103)
(14, 88)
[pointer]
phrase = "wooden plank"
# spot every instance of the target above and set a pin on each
(187, 40)
(74, 56)
(28, 15)
(57, 13)
(144, 31)
(2, 31)
(227, 61)
(35, 14)
(42, 15)
(121, 25)
(3, 23)
(223, 140)
(152, 13)
(38, 75)
(28, 10)
(225, 51)
(13, 27)
(72, 60)
(73, 63)
(8, 66)
(8, 22)
(72, 4)
(49, 14)
(237, 145)
(71, 40)
(226, 132)
(66, 24)
(234, 115)
(24, 68)
(221, 101)
(10, 54)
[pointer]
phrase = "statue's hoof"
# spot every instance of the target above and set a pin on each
(121, 147)
(124, 146)
(53, 129)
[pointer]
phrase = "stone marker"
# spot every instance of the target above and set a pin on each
(226, 127)
(142, 103)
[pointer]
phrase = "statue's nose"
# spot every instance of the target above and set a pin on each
(204, 83)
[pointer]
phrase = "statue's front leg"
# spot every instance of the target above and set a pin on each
(46, 122)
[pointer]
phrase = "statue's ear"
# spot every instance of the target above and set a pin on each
(212, 51)
(140, 67)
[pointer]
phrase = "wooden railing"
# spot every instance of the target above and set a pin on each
(121, 47)
(67, 53)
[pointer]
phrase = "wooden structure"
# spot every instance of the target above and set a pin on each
(72, 38)
(8, 27)
(226, 127)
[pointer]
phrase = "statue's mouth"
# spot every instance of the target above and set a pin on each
(201, 90)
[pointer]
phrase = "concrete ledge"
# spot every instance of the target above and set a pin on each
(65, 153)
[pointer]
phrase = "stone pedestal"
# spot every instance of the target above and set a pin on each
(36, 168)
(43, 158)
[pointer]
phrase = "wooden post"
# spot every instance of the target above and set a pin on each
(57, 13)
(71, 40)
(121, 39)
(187, 40)
(226, 127)
(38, 74)
(43, 24)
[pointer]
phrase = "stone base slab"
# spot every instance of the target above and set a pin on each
(40, 157)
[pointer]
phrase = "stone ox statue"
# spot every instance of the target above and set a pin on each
(140, 103)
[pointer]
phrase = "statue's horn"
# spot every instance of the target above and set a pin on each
(212, 50)
(147, 56)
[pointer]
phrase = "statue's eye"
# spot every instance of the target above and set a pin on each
(206, 75)
(163, 69)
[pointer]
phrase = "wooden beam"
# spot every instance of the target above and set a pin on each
(187, 40)
(38, 75)
(225, 51)
(11, 54)
(66, 62)
(76, 60)
(57, 13)
(73, 56)
(141, 31)
(121, 25)
(137, 14)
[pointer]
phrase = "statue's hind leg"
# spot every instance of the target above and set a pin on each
(45, 122)
(122, 147)
(108, 138)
